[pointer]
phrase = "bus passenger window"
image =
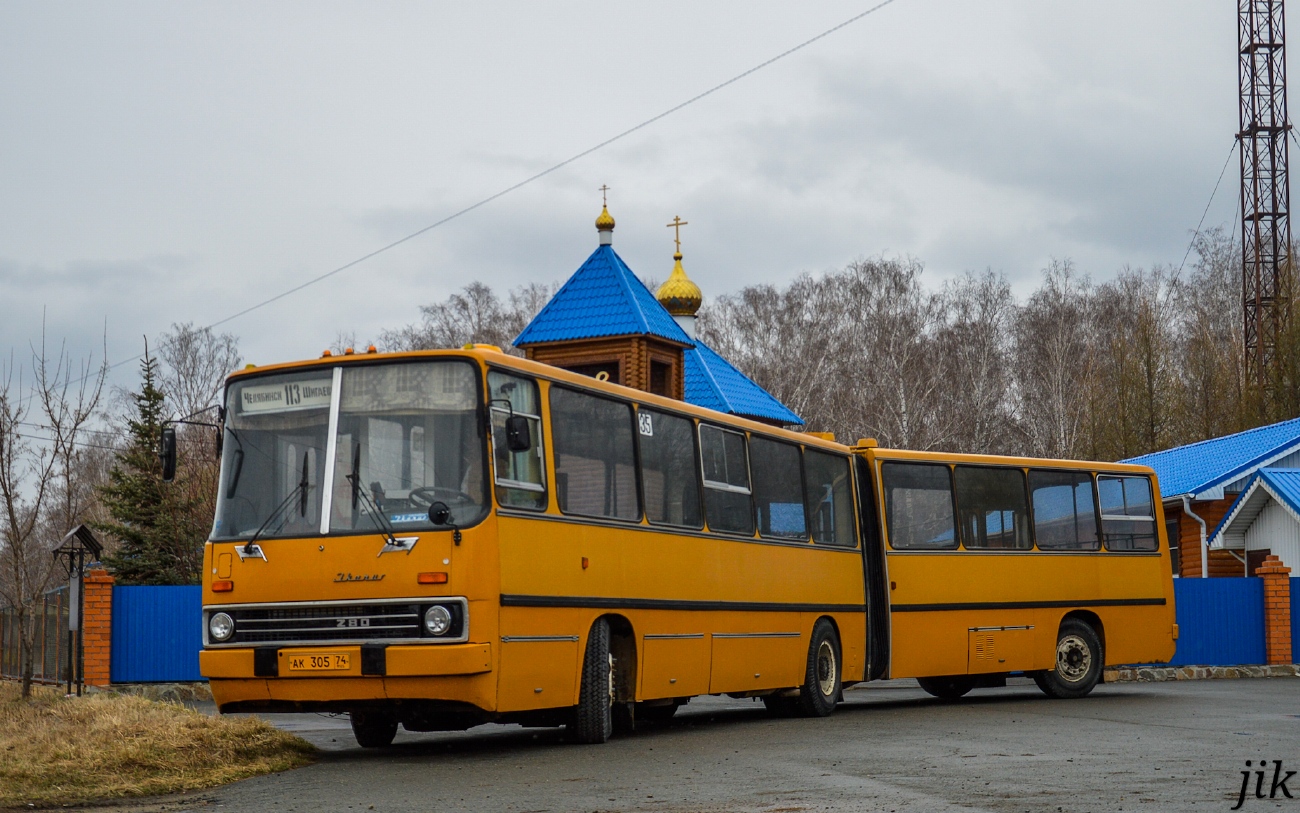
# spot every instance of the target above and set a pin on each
(520, 480)
(778, 498)
(1065, 516)
(726, 481)
(829, 498)
(918, 506)
(670, 474)
(1128, 520)
(992, 507)
(595, 467)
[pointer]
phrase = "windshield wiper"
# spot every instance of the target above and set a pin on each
(355, 480)
(299, 491)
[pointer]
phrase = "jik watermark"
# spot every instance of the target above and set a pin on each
(1260, 774)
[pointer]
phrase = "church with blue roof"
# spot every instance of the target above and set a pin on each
(604, 322)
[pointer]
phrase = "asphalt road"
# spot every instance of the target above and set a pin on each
(1137, 747)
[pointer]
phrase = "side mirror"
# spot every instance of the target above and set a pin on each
(518, 438)
(167, 452)
(439, 513)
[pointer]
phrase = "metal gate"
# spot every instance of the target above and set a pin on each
(157, 634)
(1295, 619)
(1220, 622)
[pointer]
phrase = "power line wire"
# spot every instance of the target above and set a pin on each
(1197, 233)
(538, 175)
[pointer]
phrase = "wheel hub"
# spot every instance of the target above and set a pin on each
(1073, 658)
(826, 669)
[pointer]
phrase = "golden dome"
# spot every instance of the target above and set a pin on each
(606, 221)
(679, 295)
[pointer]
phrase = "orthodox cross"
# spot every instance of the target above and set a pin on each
(676, 226)
(603, 200)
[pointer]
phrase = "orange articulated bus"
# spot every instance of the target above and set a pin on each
(445, 538)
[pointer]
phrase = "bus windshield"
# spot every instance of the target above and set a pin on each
(407, 436)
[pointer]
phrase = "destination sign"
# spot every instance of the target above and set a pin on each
(287, 397)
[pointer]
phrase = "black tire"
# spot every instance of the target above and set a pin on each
(820, 691)
(373, 729)
(1079, 661)
(593, 719)
(948, 687)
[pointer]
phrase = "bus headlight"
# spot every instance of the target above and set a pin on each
(221, 627)
(437, 619)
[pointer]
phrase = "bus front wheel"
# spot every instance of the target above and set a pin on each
(1078, 662)
(593, 718)
(373, 729)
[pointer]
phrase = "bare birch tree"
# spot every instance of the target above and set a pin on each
(974, 348)
(476, 314)
(783, 340)
(41, 489)
(1053, 362)
(195, 363)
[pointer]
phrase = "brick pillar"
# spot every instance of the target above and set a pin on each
(97, 627)
(1277, 609)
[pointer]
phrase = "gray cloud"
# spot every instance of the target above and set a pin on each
(168, 164)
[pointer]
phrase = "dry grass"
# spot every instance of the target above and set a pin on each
(56, 750)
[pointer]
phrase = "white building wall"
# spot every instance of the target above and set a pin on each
(1276, 530)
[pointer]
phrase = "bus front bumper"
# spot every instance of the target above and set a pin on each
(346, 661)
(301, 678)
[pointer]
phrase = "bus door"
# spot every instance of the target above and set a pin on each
(873, 571)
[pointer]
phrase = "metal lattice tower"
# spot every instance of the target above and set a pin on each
(1265, 188)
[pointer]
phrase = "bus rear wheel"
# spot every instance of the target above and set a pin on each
(373, 729)
(950, 687)
(820, 691)
(593, 719)
(1078, 662)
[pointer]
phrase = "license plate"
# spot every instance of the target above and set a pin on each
(320, 662)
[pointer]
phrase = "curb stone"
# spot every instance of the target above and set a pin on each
(173, 692)
(1153, 674)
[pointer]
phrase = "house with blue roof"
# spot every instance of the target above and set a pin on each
(1264, 519)
(1201, 484)
(604, 322)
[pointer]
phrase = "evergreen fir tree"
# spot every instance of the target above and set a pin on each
(151, 518)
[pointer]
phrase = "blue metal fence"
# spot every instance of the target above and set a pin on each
(1295, 619)
(1220, 622)
(157, 634)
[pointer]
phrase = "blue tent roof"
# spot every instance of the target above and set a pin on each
(602, 298)
(713, 383)
(1282, 485)
(1208, 466)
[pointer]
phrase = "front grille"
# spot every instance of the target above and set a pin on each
(335, 622)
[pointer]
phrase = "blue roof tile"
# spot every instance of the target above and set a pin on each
(713, 383)
(1212, 464)
(602, 298)
(1286, 484)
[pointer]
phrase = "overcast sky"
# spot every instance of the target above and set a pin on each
(178, 162)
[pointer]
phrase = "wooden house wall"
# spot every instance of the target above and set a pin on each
(1222, 563)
